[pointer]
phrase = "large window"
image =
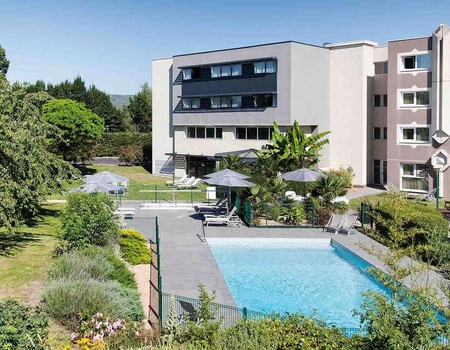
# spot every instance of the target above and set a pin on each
(191, 103)
(378, 102)
(226, 102)
(414, 177)
(254, 133)
(415, 98)
(265, 67)
(200, 132)
(265, 100)
(416, 62)
(226, 70)
(191, 73)
(414, 135)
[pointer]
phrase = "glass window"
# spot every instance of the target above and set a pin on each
(215, 102)
(271, 66)
(423, 134)
(408, 98)
(263, 133)
(408, 169)
(385, 67)
(414, 177)
(409, 62)
(252, 134)
(226, 71)
(218, 133)
(236, 101)
(424, 61)
(236, 69)
(376, 133)
(408, 134)
(377, 101)
(225, 102)
(385, 133)
(423, 98)
(187, 74)
(195, 103)
(186, 103)
(209, 133)
(385, 100)
(274, 100)
(215, 71)
(191, 132)
(240, 133)
(200, 133)
(259, 67)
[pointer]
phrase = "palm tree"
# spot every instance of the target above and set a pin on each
(294, 149)
(330, 187)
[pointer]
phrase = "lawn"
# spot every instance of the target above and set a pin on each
(25, 256)
(140, 179)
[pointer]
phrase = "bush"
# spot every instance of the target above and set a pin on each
(22, 327)
(134, 247)
(88, 220)
(112, 143)
(131, 154)
(346, 175)
(294, 215)
(67, 300)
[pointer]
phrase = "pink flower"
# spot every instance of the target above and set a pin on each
(98, 337)
(136, 334)
(117, 324)
(73, 336)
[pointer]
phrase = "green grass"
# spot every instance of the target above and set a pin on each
(25, 256)
(140, 179)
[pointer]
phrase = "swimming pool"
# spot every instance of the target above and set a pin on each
(293, 274)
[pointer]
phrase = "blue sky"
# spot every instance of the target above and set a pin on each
(111, 43)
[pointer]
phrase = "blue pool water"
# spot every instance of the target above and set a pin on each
(290, 275)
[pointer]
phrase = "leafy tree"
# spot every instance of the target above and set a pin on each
(81, 129)
(294, 149)
(88, 220)
(4, 63)
(140, 108)
(28, 170)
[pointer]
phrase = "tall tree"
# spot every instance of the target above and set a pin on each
(4, 63)
(28, 171)
(81, 129)
(140, 108)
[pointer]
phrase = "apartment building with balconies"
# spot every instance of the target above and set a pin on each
(387, 107)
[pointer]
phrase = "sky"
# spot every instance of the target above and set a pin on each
(112, 43)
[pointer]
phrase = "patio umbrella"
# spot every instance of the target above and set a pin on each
(226, 172)
(92, 187)
(106, 177)
(229, 179)
(302, 175)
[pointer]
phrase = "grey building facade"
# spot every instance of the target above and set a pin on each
(384, 105)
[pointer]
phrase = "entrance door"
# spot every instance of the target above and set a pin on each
(379, 172)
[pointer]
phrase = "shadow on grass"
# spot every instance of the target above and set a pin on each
(85, 170)
(12, 243)
(43, 212)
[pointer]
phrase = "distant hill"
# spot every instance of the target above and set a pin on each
(120, 100)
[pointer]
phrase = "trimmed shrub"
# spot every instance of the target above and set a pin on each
(22, 327)
(131, 154)
(112, 143)
(134, 247)
(88, 220)
(67, 300)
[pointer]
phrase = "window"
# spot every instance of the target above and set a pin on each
(381, 67)
(265, 100)
(416, 62)
(414, 135)
(187, 74)
(200, 132)
(377, 101)
(415, 98)
(226, 102)
(385, 67)
(385, 133)
(379, 171)
(226, 70)
(414, 177)
(377, 133)
(265, 67)
(191, 103)
(253, 133)
(385, 99)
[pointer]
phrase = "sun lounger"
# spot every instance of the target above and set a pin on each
(177, 182)
(430, 196)
(348, 224)
(334, 223)
(189, 185)
(125, 212)
(221, 205)
(294, 196)
(230, 220)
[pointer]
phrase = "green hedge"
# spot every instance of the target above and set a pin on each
(112, 143)
(134, 247)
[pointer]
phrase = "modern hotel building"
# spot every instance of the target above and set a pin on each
(387, 107)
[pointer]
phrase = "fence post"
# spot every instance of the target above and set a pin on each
(156, 194)
(267, 213)
(244, 313)
(158, 257)
(192, 198)
(363, 214)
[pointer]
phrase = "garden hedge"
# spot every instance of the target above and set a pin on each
(112, 144)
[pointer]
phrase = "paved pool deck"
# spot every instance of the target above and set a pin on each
(186, 261)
